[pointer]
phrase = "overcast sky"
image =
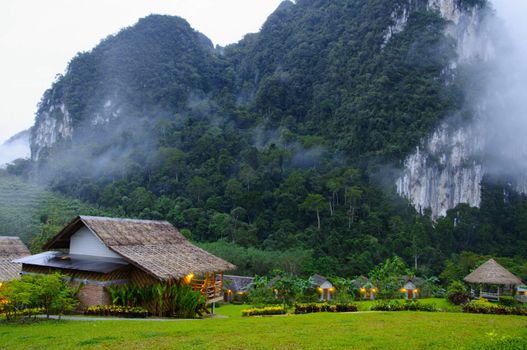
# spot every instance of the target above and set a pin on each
(38, 38)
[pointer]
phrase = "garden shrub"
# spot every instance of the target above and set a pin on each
(178, 300)
(49, 292)
(324, 307)
(485, 307)
(457, 293)
(265, 311)
(115, 310)
(402, 305)
(508, 301)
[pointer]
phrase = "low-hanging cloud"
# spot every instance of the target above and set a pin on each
(14, 148)
(500, 102)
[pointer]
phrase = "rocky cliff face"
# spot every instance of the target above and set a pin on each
(448, 167)
(53, 124)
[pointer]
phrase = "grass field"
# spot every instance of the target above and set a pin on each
(365, 330)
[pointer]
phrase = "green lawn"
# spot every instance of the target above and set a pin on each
(364, 330)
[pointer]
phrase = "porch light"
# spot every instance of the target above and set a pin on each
(416, 290)
(189, 277)
(374, 290)
(363, 290)
(229, 291)
(403, 290)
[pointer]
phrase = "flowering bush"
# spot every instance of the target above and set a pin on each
(400, 305)
(114, 310)
(324, 307)
(269, 310)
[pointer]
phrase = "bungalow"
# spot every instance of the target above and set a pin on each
(521, 293)
(11, 248)
(409, 289)
(324, 287)
(366, 289)
(491, 280)
(99, 252)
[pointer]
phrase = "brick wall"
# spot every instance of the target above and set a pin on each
(92, 294)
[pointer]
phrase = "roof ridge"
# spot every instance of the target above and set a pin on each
(105, 218)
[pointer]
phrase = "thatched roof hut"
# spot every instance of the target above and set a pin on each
(11, 248)
(492, 273)
(100, 252)
(156, 247)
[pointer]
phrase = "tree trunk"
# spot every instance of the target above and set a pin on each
(318, 219)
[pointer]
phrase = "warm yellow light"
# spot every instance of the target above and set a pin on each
(362, 290)
(415, 290)
(374, 290)
(1, 284)
(229, 291)
(240, 293)
(332, 289)
(189, 277)
(403, 290)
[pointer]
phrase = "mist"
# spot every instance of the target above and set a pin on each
(497, 92)
(14, 148)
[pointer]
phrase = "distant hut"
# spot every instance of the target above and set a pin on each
(491, 280)
(368, 291)
(324, 287)
(100, 252)
(236, 287)
(11, 248)
(410, 290)
(521, 294)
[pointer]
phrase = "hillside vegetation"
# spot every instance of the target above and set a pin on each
(28, 210)
(283, 142)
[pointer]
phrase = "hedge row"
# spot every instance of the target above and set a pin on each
(269, 310)
(402, 305)
(114, 310)
(318, 307)
(484, 307)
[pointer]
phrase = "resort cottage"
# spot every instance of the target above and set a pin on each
(409, 290)
(324, 287)
(100, 252)
(11, 248)
(491, 280)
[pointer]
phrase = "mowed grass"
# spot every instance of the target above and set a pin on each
(365, 330)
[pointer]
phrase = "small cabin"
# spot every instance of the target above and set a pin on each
(98, 253)
(324, 287)
(409, 290)
(521, 293)
(368, 291)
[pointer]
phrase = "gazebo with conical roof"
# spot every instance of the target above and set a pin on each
(492, 280)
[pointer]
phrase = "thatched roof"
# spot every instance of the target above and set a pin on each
(492, 273)
(11, 248)
(155, 247)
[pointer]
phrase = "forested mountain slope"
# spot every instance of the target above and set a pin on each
(285, 141)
